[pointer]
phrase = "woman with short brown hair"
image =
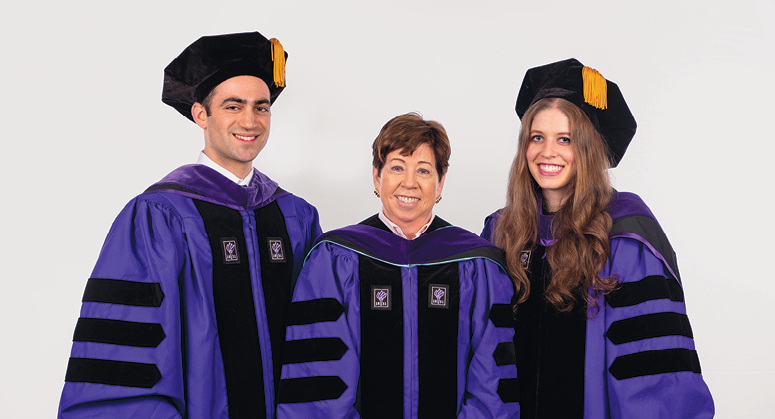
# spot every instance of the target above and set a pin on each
(402, 315)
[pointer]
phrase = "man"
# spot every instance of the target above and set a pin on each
(184, 314)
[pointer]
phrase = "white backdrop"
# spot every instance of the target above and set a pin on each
(84, 131)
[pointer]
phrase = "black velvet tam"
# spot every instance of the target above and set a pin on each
(210, 60)
(565, 79)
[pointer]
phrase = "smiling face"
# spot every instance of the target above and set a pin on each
(550, 156)
(237, 126)
(408, 187)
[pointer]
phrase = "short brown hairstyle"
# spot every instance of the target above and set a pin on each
(406, 133)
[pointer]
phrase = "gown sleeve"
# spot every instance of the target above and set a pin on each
(303, 226)
(310, 223)
(126, 358)
(653, 368)
(320, 360)
(489, 226)
(491, 382)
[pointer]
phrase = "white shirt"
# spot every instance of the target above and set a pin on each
(203, 159)
(397, 230)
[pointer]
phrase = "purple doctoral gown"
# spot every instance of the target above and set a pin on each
(635, 356)
(384, 327)
(184, 313)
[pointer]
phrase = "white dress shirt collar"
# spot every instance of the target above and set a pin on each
(203, 159)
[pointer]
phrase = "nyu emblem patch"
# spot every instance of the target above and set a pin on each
(438, 296)
(230, 252)
(381, 298)
(276, 252)
(524, 258)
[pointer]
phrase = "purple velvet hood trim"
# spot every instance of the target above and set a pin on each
(623, 204)
(201, 182)
(439, 246)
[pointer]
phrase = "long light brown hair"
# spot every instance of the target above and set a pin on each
(580, 227)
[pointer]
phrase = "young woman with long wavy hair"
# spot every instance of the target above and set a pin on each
(600, 323)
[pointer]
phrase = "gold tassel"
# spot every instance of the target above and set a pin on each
(595, 88)
(278, 58)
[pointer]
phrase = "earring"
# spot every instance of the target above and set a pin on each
(438, 199)
(376, 192)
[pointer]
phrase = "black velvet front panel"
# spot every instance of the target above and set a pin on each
(550, 348)
(437, 333)
(276, 278)
(382, 343)
(235, 314)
